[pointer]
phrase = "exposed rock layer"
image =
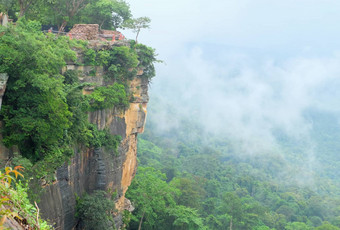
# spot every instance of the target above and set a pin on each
(97, 169)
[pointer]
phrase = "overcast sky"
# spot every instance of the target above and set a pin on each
(272, 27)
(245, 66)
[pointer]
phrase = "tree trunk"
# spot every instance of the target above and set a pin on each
(141, 221)
(62, 26)
(231, 224)
(24, 5)
(101, 24)
(137, 35)
(22, 9)
(22, 12)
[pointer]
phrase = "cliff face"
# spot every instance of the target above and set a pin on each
(99, 168)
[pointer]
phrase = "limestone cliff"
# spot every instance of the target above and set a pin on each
(100, 168)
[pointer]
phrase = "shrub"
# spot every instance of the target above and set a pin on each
(95, 211)
(122, 63)
(14, 201)
(108, 97)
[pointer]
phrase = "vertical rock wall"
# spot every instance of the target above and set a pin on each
(101, 168)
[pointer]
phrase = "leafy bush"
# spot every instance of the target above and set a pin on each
(122, 63)
(147, 58)
(103, 138)
(108, 97)
(95, 211)
(34, 104)
(14, 201)
(90, 57)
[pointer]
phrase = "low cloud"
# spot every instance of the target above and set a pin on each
(248, 101)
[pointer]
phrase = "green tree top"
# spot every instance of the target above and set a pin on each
(137, 24)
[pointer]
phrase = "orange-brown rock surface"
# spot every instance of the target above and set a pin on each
(100, 168)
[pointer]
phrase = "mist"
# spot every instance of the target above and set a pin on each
(248, 100)
(246, 70)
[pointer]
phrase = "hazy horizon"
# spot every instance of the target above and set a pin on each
(245, 68)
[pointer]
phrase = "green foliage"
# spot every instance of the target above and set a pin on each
(103, 138)
(90, 57)
(62, 12)
(34, 104)
(5, 5)
(226, 189)
(108, 97)
(14, 200)
(147, 58)
(137, 24)
(122, 63)
(93, 57)
(155, 202)
(95, 210)
(297, 226)
(109, 14)
(185, 218)
(327, 226)
(152, 196)
(40, 101)
(192, 191)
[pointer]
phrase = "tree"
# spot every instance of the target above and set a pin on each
(95, 211)
(297, 226)
(327, 226)
(22, 5)
(34, 104)
(63, 11)
(151, 196)
(108, 14)
(5, 5)
(185, 218)
(232, 206)
(155, 204)
(137, 24)
(192, 191)
(25, 5)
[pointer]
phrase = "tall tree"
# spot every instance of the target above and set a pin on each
(152, 196)
(109, 14)
(137, 24)
(64, 11)
(5, 5)
(25, 5)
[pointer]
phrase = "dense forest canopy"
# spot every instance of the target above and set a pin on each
(222, 187)
(63, 14)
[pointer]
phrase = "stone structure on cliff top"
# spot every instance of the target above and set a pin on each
(92, 32)
(100, 168)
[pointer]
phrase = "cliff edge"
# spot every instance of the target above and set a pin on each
(96, 168)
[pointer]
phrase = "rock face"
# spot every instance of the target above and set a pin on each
(92, 32)
(85, 31)
(100, 168)
(3, 82)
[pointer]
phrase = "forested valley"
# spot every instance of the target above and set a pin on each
(212, 184)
